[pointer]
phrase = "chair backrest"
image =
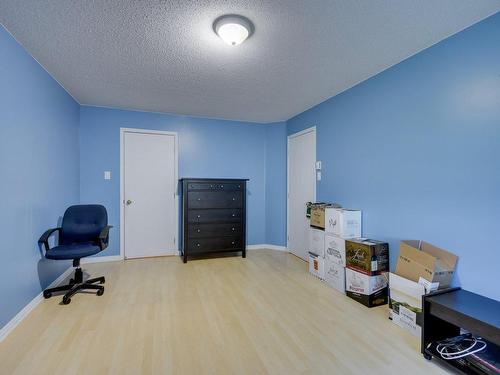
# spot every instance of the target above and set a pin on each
(83, 223)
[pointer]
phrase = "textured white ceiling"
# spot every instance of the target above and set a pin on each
(163, 55)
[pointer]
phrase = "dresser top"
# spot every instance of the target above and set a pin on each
(212, 179)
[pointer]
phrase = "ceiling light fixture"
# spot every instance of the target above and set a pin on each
(233, 29)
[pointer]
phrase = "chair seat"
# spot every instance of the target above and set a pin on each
(74, 251)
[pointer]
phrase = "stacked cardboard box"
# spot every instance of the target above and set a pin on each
(340, 224)
(421, 268)
(367, 263)
(316, 214)
(316, 252)
(335, 262)
(317, 266)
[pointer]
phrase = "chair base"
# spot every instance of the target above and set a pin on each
(76, 285)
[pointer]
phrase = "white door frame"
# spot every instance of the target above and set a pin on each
(122, 181)
(312, 129)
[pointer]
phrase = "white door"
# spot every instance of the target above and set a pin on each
(149, 193)
(301, 189)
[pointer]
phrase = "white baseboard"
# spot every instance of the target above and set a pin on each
(267, 246)
(109, 258)
(14, 322)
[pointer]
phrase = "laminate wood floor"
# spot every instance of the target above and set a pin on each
(261, 315)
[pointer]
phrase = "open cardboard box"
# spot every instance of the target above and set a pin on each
(421, 259)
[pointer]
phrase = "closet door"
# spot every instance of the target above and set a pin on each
(301, 189)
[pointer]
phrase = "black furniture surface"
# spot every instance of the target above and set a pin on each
(448, 311)
(213, 216)
(84, 232)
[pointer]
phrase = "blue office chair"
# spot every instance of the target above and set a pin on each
(84, 232)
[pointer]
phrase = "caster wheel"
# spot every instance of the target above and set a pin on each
(427, 356)
(103, 281)
(47, 295)
(66, 300)
(100, 292)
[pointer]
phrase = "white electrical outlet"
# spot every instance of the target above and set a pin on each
(107, 175)
(318, 165)
(318, 175)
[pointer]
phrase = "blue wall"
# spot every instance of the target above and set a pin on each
(207, 148)
(276, 149)
(39, 174)
(417, 149)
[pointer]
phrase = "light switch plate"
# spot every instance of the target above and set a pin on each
(318, 165)
(318, 175)
(107, 175)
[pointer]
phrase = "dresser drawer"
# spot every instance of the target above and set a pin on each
(214, 244)
(217, 186)
(215, 199)
(214, 230)
(215, 216)
(201, 186)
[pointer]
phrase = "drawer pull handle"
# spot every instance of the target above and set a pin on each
(232, 243)
(232, 229)
(197, 245)
(199, 230)
(222, 186)
(234, 198)
(233, 215)
(198, 199)
(198, 216)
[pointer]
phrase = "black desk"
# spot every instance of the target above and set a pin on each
(447, 311)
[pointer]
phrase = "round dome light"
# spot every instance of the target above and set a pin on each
(233, 29)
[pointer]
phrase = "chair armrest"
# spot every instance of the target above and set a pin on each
(104, 237)
(44, 239)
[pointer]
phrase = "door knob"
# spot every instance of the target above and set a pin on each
(129, 202)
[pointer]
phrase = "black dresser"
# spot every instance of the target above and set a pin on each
(213, 216)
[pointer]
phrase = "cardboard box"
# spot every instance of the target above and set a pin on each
(405, 303)
(368, 290)
(317, 266)
(421, 259)
(367, 256)
(342, 222)
(318, 215)
(335, 248)
(317, 241)
(334, 273)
